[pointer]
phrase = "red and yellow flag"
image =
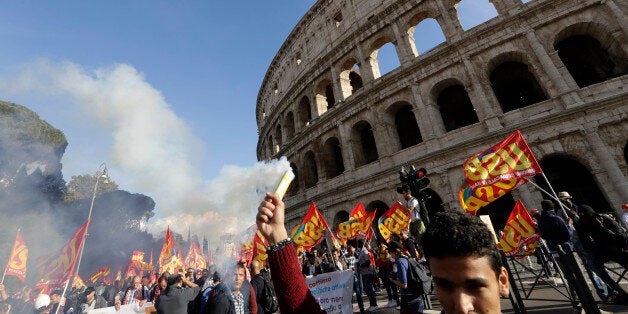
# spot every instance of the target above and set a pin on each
(520, 234)
(167, 250)
(472, 200)
(195, 258)
(394, 220)
(58, 270)
(259, 243)
(99, 273)
(510, 159)
(77, 282)
(311, 230)
(17, 260)
(359, 223)
(119, 274)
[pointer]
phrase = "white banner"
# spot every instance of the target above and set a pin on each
(124, 309)
(333, 291)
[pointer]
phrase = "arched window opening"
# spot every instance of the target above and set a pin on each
(305, 112)
(339, 218)
(456, 108)
(364, 147)
(278, 138)
(350, 78)
(499, 210)
(294, 186)
(514, 86)
(587, 61)
(289, 125)
(332, 158)
(425, 36)
(380, 207)
(310, 170)
(384, 59)
(472, 13)
(329, 94)
(407, 127)
(269, 146)
(433, 204)
(325, 96)
(567, 174)
(626, 153)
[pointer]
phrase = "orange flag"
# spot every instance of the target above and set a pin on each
(353, 227)
(520, 235)
(57, 271)
(17, 260)
(311, 230)
(472, 200)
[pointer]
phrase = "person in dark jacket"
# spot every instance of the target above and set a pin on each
(176, 298)
(258, 282)
(553, 228)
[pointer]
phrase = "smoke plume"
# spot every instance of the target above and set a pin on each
(150, 149)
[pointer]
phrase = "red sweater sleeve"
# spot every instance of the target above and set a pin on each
(253, 304)
(292, 292)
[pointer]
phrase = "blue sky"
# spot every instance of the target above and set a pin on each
(159, 90)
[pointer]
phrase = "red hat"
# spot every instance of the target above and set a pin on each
(624, 206)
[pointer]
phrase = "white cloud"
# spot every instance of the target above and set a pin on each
(151, 148)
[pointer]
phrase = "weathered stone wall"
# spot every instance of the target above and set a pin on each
(588, 124)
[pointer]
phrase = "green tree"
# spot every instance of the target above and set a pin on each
(82, 187)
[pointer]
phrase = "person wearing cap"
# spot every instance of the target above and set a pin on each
(466, 265)
(92, 300)
(410, 301)
(571, 207)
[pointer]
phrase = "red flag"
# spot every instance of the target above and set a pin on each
(520, 235)
(59, 270)
(394, 220)
(508, 160)
(311, 230)
(17, 260)
(358, 224)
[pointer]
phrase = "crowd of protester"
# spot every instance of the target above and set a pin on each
(454, 241)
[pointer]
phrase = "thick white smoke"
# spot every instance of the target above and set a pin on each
(151, 149)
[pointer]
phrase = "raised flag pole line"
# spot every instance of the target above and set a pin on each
(102, 172)
(551, 195)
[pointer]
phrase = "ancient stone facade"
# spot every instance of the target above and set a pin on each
(554, 69)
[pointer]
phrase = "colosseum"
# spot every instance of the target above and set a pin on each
(553, 69)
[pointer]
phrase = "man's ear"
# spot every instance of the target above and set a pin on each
(503, 283)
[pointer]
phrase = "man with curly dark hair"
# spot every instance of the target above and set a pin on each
(466, 266)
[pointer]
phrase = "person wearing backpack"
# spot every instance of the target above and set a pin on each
(411, 296)
(266, 300)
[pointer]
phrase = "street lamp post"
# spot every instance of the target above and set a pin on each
(100, 174)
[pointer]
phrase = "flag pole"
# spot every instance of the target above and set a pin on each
(100, 173)
(542, 190)
(562, 206)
